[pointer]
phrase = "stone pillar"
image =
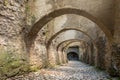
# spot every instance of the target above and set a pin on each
(53, 57)
(117, 22)
(100, 55)
(92, 49)
(115, 54)
(114, 67)
(60, 57)
(64, 56)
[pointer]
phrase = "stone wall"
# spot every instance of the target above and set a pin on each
(100, 57)
(35, 9)
(53, 57)
(13, 59)
(102, 9)
(117, 22)
(16, 19)
(115, 46)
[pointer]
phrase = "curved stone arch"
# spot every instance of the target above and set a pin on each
(50, 16)
(69, 44)
(71, 41)
(63, 30)
(73, 52)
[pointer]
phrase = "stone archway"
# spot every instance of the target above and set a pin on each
(48, 44)
(63, 55)
(50, 16)
(70, 41)
(69, 44)
(63, 30)
(31, 35)
(90, 55)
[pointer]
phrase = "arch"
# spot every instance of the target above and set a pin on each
(71, 41)
(69, 44)
(63, 30)
(50, 16)
(76, 40)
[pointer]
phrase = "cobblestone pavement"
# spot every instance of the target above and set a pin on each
(74, 70)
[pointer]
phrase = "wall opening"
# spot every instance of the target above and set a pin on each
(73, 53)
(72, 56)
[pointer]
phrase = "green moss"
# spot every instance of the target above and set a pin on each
(30, 18)
(16, 64)
(25, 68)
(34, 68)
(33, 19)
(12, 73)
(51, 65)
(11, 64)
(27, 9)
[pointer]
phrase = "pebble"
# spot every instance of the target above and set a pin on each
(74, 70)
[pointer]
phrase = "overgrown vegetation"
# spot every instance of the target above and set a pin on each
(34, 68)
(11, 64)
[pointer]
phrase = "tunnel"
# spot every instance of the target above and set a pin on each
(72, 56)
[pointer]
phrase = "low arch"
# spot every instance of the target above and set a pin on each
(50, 16)
(63, 30)
(71, 41)
(69, 44)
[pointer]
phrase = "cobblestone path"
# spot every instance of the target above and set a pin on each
(74, 70)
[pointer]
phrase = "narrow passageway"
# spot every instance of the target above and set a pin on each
(73, 70)
(72, 56)
(47, 39)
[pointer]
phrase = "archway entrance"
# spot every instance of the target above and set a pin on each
(50, 16)
(72, 56)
